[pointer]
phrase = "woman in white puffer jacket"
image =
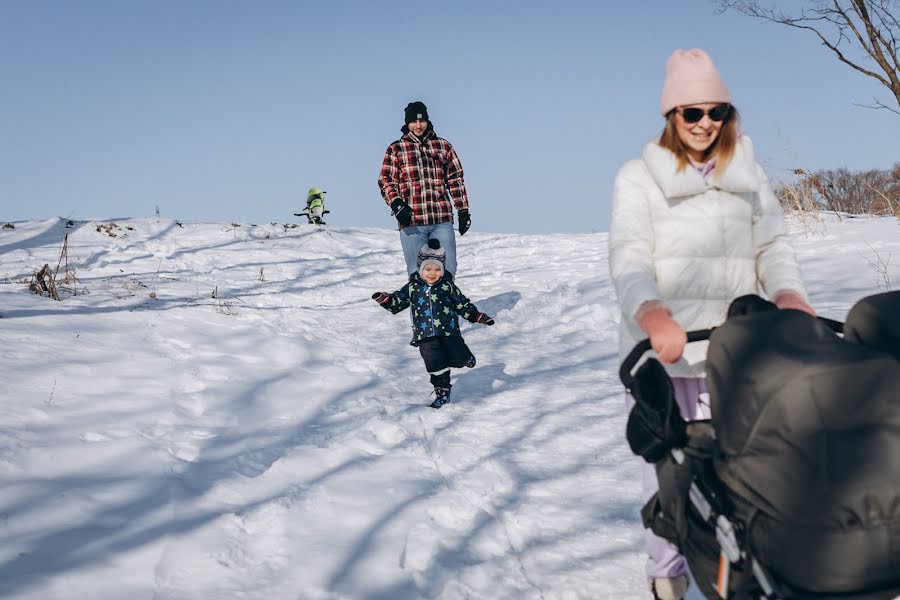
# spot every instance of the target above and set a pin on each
(695, 224)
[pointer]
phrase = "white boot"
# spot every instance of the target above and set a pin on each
(668, 588)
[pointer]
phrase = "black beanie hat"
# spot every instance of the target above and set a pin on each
(414, 111)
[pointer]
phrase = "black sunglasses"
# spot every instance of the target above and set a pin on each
(717, 113)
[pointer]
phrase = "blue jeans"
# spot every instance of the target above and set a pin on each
(413, 238)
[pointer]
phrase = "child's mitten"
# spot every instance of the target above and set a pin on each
(381, 298)
(667, 337)
(484, 319)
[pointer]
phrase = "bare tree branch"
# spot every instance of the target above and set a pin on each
(877, 105)
(885, 32)
(876, 51)
(870, 26)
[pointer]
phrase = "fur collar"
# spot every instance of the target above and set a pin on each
(740, 176)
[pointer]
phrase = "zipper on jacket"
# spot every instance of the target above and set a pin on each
(420, 150)
(431, 308)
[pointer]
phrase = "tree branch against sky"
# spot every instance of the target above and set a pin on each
(862, 34)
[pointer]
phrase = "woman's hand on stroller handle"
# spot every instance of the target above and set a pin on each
(699, 335)
(667, 336)
(643, 346)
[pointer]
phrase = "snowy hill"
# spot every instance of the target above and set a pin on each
(222, 412)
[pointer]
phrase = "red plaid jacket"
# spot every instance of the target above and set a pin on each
(427, 175)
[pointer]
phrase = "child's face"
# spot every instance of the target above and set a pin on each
(431, 273)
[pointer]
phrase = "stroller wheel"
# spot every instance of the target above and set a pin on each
(668, 588)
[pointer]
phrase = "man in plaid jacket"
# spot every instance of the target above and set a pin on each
(422, 180)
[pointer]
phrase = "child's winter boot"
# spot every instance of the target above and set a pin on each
(441, 396)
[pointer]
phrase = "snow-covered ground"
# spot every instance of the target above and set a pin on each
(222, 412)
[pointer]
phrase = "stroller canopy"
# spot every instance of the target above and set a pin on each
(808, 441)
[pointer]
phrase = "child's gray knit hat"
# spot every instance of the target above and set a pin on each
(431, 254)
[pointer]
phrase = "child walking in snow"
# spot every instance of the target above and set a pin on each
(436, 303)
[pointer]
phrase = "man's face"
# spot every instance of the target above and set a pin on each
(418, 126)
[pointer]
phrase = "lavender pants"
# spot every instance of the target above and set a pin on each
(663, 559)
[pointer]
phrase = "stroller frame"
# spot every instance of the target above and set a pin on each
(710, 505)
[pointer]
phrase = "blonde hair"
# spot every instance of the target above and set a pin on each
(722, 148)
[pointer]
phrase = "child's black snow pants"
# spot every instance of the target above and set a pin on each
(441, 353)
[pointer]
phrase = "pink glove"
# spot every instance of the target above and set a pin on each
(667, 337)
(788, 299)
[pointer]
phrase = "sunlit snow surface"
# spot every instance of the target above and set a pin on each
(221, 412)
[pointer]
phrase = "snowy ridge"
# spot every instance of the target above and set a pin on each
(259, 427)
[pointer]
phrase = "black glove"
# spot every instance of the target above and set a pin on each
(483, 318)
(381, 298)
(402, 212)
(465, 221)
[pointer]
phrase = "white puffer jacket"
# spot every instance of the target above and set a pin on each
(695, 244)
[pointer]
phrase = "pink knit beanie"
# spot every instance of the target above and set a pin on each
(691, 78)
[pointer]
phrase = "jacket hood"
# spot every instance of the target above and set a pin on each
(740, 176)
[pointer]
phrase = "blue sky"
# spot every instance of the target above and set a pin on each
(229, 111)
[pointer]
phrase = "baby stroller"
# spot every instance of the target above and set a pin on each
(792, 489)
(315, 206)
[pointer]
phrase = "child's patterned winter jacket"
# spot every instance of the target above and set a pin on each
(435, 307)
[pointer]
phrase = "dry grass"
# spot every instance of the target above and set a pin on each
(873, 192)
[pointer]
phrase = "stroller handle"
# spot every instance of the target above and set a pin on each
(698, 335)
(643, 346)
